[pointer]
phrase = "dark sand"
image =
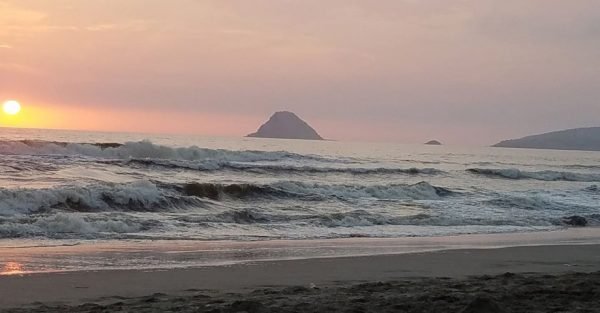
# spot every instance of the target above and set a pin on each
(509, 292)
(411, 283)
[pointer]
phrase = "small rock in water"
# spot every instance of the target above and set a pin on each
(509, 275)
(593, 188)
(575, 220)
(433, 143)
(483, 305)
(246, 306)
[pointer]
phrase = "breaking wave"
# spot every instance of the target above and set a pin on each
(214, 165)
(146, 196)
(292, 189)
(539, 203)
(514, 173)
(359, 218)
(65, 225)
(136, 196)
(351, 218)
(113, 211)
(147, 150)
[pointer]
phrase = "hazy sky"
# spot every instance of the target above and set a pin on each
(463, 71)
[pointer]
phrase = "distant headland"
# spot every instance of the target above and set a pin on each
(286, 125)
(587, 139)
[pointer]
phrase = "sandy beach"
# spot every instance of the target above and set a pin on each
(299, 156)
(442, 280)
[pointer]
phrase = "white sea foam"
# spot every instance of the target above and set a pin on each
(65, 225)
(541, 203)
(140, 195)
(144, 150)
(148, 196)
(219, 222)
(76, 191)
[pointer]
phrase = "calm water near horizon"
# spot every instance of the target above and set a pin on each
(67, 187)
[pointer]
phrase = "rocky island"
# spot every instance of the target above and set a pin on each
(587, 139)
(286, 125)
(433, 143)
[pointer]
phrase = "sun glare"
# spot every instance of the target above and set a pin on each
(11, 107)
(11, 268)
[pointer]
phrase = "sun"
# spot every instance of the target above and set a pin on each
(11, 107)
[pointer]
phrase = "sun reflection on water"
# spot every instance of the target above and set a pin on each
(12, 268)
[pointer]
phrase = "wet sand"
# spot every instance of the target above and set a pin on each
(32, 256)
(411, 282)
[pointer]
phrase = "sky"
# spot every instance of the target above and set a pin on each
(463, 71)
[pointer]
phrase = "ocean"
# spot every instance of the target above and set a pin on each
(64, 188)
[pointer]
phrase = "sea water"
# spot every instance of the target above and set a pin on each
(60, 187)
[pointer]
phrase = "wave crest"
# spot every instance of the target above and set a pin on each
(136, 196)
(307, 191)
(146, 196)
(214, 165)
(146, 150)
(65, 225)
(513, 173)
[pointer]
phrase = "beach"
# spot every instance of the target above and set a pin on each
(299, 156)
(447, 277)
(114, 223)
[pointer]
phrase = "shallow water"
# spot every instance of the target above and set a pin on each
(60, 186)
(25, 256)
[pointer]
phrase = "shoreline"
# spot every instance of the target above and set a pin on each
(26, 257)
(112, 285)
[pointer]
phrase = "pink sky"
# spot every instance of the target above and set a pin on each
(464, 72)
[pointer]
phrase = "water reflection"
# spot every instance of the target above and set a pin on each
(12, 268)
